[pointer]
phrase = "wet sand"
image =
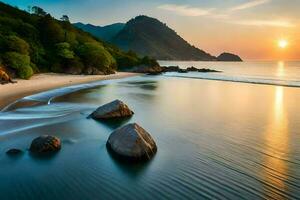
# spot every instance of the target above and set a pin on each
(47, 81)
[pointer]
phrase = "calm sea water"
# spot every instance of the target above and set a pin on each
(216, 139)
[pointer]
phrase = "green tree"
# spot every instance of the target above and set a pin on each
(51, 31)
(65, 18)
(17, 44)
(19, 62)
(63, 50)
(38, 11)
(94, 55)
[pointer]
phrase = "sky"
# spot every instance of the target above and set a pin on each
(249, 28)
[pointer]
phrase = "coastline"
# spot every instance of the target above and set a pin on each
(47, 81)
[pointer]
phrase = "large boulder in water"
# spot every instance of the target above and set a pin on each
(115, 109)
(132, 143)
(44, 144)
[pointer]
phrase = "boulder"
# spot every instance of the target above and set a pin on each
(45, 143)
(14, 151)
(4, 77)
(93, 71)
(182, 71)
(146, 69)
(132, 143)
(114, 109)
(72, 70)
(171, 69)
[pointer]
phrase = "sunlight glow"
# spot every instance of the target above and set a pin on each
(282, 43)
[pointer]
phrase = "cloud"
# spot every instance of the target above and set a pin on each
(186, 10)
(274, 23)
(250, 4)
(227, 17)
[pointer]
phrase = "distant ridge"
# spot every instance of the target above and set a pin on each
(103, 32)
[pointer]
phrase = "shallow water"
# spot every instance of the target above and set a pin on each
(216, 140)
(257, 72)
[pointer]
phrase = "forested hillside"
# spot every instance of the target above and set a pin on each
(33, 41)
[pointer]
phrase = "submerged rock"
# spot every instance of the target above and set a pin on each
(192, 69)
(205, 70)
(132, 143)
(45, 143)
(115, 109)
(14, 151)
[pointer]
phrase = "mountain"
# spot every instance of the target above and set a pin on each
(149, 36)
(37, 42)
(229, 57)
(104, 32)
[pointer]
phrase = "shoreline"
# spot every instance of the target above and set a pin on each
(47, 81)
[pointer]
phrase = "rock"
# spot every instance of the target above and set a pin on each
(14, 151)
(4, 77)
(114, 109)
(132, 143)
(93, 71)
(189, 69)
(45, 144)
(154, 73)
(72, 70)
(182, 71)
(171, 69)
(229, 57)
(192, 69)
(153, 70)
(205, 70)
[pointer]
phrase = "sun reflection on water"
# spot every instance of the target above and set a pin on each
(276, 145)
(280, 69)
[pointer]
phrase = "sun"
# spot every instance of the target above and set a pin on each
(282, 43)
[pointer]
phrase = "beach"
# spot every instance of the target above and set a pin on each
(47, 81)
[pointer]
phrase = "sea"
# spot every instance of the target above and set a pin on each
(233, 134)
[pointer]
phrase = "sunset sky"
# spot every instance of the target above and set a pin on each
(250, 28)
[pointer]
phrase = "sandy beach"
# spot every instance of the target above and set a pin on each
(47, 81)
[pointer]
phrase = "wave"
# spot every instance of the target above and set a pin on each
(238, 78)
(26, 118)
(47, 96)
